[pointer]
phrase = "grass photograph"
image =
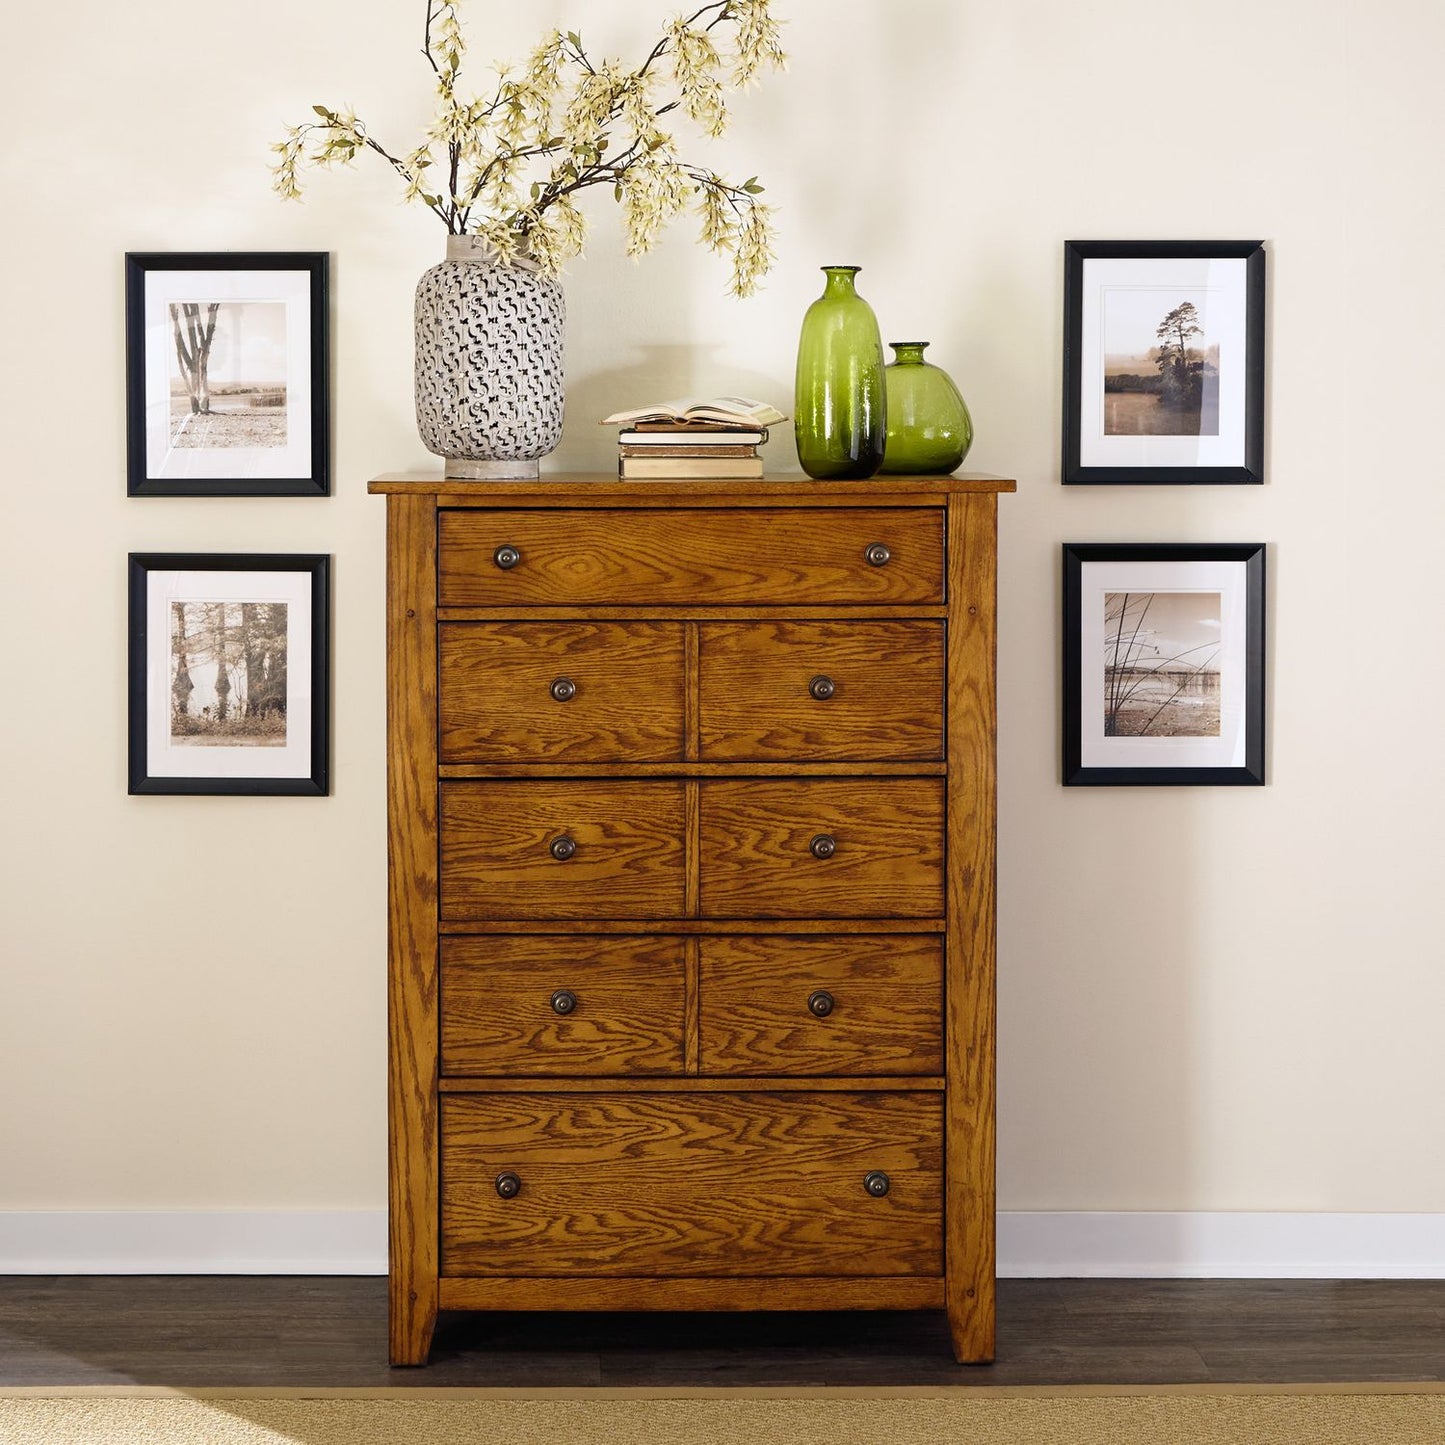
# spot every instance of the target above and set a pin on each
(1161, 664)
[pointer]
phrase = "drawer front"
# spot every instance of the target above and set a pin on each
(564, 1005)
(691, 557)
(505, 853)
(761, 841)
(698, 1184)
(560, 691)
(860, 1005)
(821, 691)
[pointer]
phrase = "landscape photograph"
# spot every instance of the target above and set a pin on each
(1161, 664)
(1161, 370)
(227, 374)
(228, 674)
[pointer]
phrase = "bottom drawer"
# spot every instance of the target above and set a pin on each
(692, 1184)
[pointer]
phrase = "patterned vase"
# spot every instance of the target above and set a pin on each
(488, 362)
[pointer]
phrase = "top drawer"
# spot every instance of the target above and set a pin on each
(691, 557)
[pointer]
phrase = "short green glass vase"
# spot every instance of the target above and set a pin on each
(929, 428)
(840, 404)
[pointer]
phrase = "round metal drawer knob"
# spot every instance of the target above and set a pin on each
(876, 1182)
(564, 1001)
(564, 689)
(877, 554)
(508, 1185)
(824, 845)
(563, 848)
(506, 557)
(820, 1003)
(822, 687)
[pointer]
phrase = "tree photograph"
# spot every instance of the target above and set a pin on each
(1161, 372)
(228, 674)
(1161, 664)
(227, 373)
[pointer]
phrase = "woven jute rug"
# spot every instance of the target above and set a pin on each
(1404, 1414)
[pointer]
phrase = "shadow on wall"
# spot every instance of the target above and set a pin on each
(1106, 936)
(1122, 1035)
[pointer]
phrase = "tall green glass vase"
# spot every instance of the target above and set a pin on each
(929, 428)
(840, 406)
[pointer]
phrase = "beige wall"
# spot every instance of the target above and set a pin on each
(1213, 999)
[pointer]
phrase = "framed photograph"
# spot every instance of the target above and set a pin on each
(1163, 361)
(1163, 663)
(226, 374)
(229, 673)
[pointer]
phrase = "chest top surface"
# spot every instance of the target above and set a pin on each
(580, 489)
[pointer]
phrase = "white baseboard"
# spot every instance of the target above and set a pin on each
(1221, 1246)
(1064, 1244)
(194, 1241)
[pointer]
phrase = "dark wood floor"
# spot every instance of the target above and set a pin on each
(209, 1331)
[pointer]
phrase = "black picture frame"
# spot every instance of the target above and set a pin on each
(1248, 646)
(313, 478)
(313, 779)
(1251, 469)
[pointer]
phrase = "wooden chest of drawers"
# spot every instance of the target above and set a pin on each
(691, 821)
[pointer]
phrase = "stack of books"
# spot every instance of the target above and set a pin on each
(715, 439)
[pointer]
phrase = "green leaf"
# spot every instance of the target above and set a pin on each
(575, 38)
(753, 189)
(536, 189)
(322, 112)
(617, 191)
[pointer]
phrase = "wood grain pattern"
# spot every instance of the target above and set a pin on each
(496, 839)
(691, 849)
(888, 862)
(887, 1015)
(690, 770)
(691, 643)
(664, 1292)
(706, 1084)
(887, 699)
(496, 702)
(971, 1248)
(649, 923)
(412, 925)
(686, 556)
(690, 1046)
(772, 1184)
(497, 1015)
(682, 612)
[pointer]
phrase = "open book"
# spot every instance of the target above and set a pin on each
(729, 410)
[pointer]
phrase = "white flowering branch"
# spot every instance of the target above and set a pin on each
(507, 167)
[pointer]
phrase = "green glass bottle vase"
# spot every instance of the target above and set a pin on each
(840, 406)
(929, 428)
